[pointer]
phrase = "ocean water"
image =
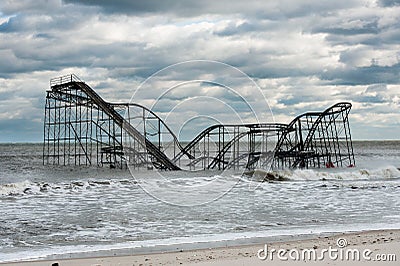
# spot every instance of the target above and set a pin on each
(61, 211)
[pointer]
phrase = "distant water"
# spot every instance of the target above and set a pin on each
(53, 210)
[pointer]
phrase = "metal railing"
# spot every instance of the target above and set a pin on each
(64, 79)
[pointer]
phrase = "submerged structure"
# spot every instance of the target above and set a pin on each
(81, 128)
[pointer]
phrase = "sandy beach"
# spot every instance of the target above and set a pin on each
(378, 247)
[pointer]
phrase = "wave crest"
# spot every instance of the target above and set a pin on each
(260, 175)
(27, 187)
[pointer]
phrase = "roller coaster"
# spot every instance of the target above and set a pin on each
(81, 128)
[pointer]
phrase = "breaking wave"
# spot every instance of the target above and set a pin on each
(30, 188)
(27, 187)
(390, 172)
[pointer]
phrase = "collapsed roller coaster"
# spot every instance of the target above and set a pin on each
(81, 128)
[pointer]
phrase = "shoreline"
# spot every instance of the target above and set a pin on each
(383, 241)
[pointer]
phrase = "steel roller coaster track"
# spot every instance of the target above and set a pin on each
(81, 128)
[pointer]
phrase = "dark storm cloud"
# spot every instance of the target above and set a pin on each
(368, 28)
(136, 7)
(52, 48)
(267, 9)
(10, 64)
(29, 6)
(47, 53)
(363, 75)
(369, 34)
(389, 3)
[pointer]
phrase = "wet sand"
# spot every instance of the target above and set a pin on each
(379, 242)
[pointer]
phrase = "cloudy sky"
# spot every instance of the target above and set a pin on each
(303, 54)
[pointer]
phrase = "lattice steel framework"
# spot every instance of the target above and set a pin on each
(317, 139)
(80, 128)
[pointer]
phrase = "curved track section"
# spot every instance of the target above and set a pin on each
(223, 147)
(317, 139)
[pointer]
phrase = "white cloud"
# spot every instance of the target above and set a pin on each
(305, 55)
